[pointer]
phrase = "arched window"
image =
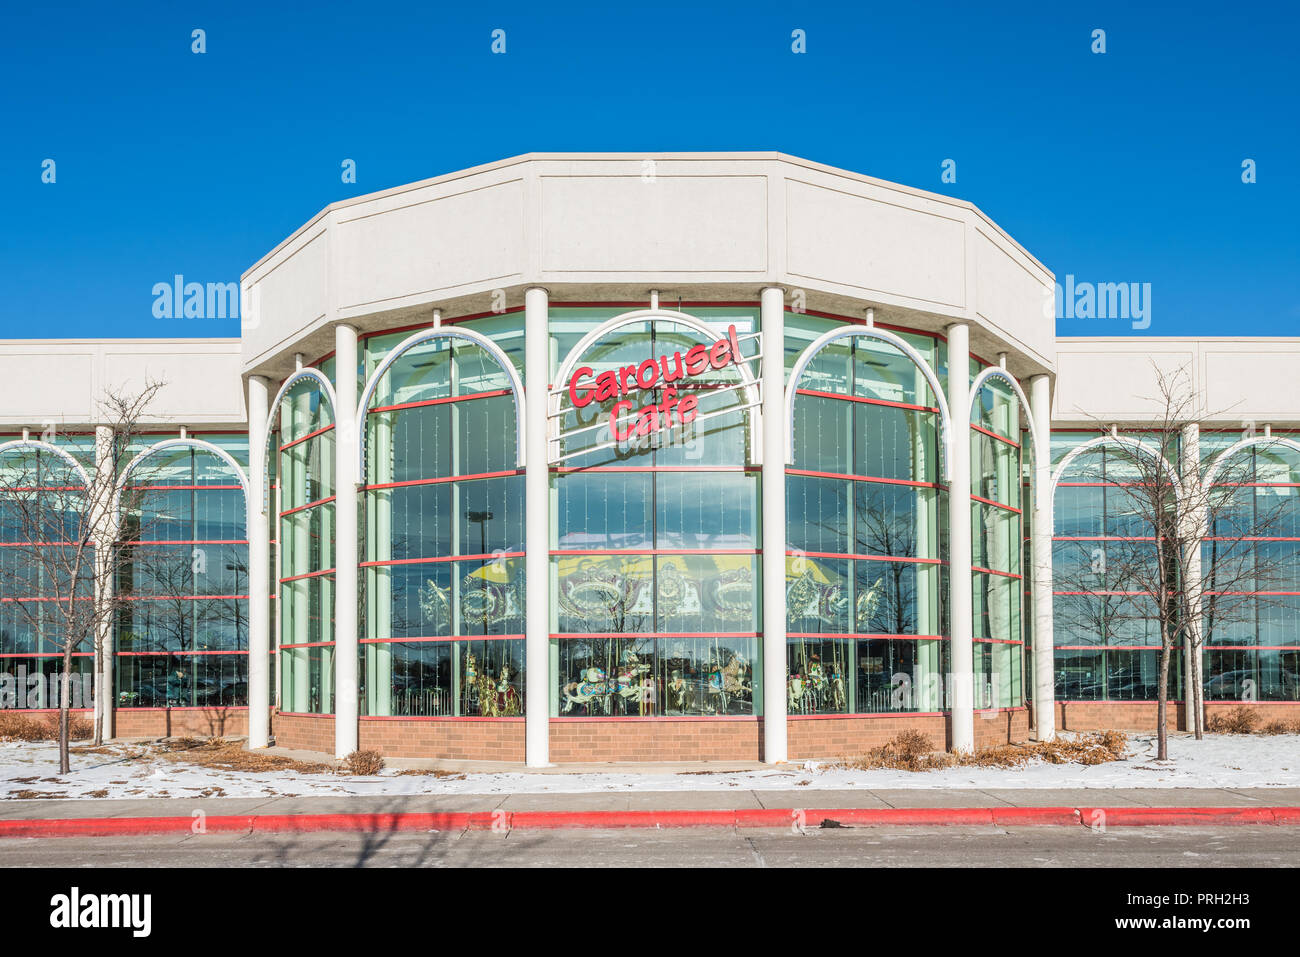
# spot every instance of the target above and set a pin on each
(443, 566)
(305, 495)
(1251, 561)
(42, 510)
(182, 576)
(655, 554)
(1001, 473)
(865, 572)
(1105, 629)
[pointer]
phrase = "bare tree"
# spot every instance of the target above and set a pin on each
(63, 563)
(1175, 542)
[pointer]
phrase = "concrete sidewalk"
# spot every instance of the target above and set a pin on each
(735, 808)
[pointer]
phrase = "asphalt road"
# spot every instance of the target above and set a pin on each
(692, 847)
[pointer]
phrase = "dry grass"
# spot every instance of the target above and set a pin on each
(430, 772)
(364, 763)
(1282, 727)
(1239, 720)
(914, 751)
(232, 756)
(22, 727)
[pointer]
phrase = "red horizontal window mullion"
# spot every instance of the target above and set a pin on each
(306, 438)
(567, 469)
(156, 654)
(993, 435)
(181, 597)
(437, 638)
(386, 563)
(36, 598)
(214, 541)
(294, 578)
(566, 635)
(45, 654)
(867, 558)
(182, 488)
(994, 571)
(843, 476)
(989, 501)
(864, 400)
(648, 552)
(445, 400)
(863, 635)
(302, 508)
(1111, 594)
(441, 480)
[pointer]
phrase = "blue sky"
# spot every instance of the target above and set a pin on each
(1119, 167)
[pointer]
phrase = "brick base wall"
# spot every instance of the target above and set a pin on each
(1141, 715)
(498, 739)
(848, 737)
(180, 722)
(686, 739)
(306, 732)
(601, 740)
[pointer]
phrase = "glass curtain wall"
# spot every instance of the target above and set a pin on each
(1252, 561)
(182, 581)
(866, 619)
(42, 501)
(1105, 631)
(305, 542)
(655, 548)
(997, 540)
(443, 561)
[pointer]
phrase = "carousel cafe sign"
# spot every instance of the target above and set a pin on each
(671, 372)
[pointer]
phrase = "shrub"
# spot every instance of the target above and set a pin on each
(912, 751)
(24, 727)
(1240, 720)
(1281, 727)
(364, 762)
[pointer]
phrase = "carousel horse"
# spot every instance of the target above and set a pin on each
(799, 695)
(595, 686)
(679, 693)
(727, 683)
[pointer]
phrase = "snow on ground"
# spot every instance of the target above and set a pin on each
(131, 771)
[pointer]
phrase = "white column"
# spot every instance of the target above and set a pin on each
(772, 319)
(106, 527)
(961, 657)
(1040, 409)
(346, 450)
(537, 536)
(1190, 467)
(257, 528)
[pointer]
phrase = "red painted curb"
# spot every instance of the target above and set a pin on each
(1184, 816)
(794, 818)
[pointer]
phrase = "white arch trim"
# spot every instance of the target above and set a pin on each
(429, 335)
(321, 380)
(178, 443)
(880, 335)
(47, 447)
(1126, 440)
(1221, 459)
(1041, 452)
(748, 380)
(323, 383)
